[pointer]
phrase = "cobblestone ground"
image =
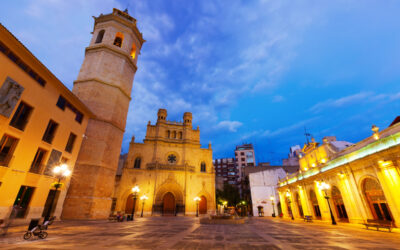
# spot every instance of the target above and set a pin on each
(187, 233)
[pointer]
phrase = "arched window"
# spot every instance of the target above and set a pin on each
(100, 36)
(138, 160)
(376, 200)
(174, 134)
(119, 37)
(180, 135)
(133, 51)
(168, 134)
(203, 167)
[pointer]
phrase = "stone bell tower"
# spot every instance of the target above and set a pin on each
(104, 84)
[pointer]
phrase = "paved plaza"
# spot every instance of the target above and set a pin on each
(187, 233)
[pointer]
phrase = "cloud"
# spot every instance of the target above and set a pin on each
(278, 98)
(231, 126)
(340, 102)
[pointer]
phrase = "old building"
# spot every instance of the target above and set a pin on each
(361, 181)
(170, 168)
(104, 84)
(42, 125)
(291, 164)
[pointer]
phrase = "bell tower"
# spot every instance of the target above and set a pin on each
(104, 84)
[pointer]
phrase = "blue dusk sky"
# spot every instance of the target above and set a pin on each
(249, 71)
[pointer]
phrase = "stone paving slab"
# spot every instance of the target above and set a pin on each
(188, 233)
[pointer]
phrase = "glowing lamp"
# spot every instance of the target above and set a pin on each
(144, 197)
(323, 160)
(135, 189)
(196, 199)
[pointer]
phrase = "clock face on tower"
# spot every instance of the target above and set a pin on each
(172, 158)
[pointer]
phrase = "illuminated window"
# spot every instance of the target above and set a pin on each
(100, 36)
(119, 37)
(133, 51)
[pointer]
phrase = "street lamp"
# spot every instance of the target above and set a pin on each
(289, 201)
(143, 198)
(135, 191)
(60, 172)
(272, 198)
(197, 200)
(325, 187)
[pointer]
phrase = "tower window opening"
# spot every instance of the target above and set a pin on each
(133, 51)
(203, 167)
(100, 36)
(119, 37)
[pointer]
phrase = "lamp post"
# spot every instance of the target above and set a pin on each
(273, 205)
(135, 191)
(60, 172)
(325, 187)
(197, 200)
(143, 198)
(289, 201)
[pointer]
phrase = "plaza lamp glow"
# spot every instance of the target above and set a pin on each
(143, 198)
(135, 191)
(272, 198)
(197, 200)
(325, 187)
(289, 201)
(323, 160)
(60, 172)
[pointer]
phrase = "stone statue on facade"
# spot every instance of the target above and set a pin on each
(10, 93)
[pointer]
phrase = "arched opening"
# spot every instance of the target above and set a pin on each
(169, 204)
(129, 204)
(289, 207)
(168, 134)
(119, 37)
(298, 203)
(133, 51)
(314, 203)
(339, 204)
(376, 200)
(279, 207)
(203, 167)
(100, 36)
(138, 161)
(174, 134)
(203, 205)
(180, 135)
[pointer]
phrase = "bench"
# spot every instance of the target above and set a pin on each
(308, 218)
(379, 224)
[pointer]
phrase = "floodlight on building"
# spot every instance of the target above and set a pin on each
(375, 129)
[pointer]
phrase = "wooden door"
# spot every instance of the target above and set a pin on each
(376, 200)
(168, 204)
(203, 205)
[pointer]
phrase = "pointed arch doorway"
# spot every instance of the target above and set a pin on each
(203, 205)
(169, 204)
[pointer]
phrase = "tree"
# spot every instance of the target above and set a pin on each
(229, 193)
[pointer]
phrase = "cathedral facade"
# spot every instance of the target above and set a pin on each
(171, 170)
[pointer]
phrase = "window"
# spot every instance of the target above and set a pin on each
(37, 163)
(50, 131)
(138, 160)
(241, 153)
(174, 134)
(70, 143)
(168, 134)
(172, 158)
(100, 36)
(203, 167)
(21, 116)
(133, 51)
(119, 37)
(7, 147)
(180, 135)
